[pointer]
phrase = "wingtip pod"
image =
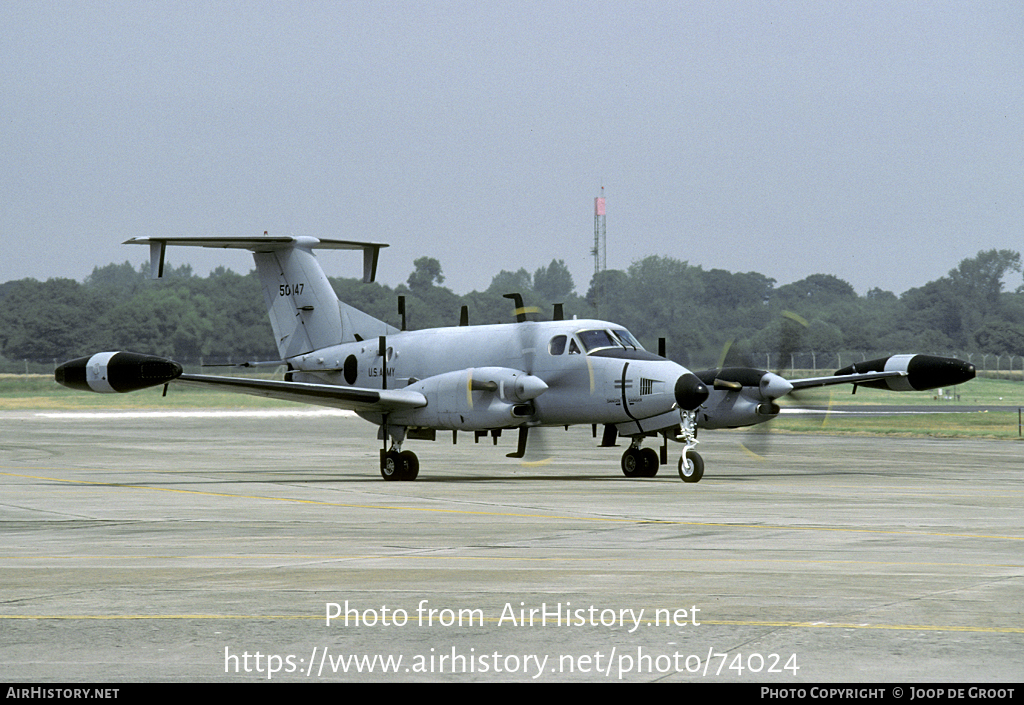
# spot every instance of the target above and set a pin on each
(922, 372)
(109, 372)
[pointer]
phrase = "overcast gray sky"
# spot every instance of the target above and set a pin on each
(882, 142)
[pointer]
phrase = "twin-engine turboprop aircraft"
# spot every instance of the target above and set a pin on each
(483, 379)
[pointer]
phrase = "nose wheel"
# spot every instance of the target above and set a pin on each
(691, 466)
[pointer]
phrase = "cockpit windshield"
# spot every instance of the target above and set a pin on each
(598, 339)
(627, 339)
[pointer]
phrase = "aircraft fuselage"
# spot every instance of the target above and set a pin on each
(594, 371)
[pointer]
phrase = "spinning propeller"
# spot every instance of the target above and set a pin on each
(748, 396)
(534, 453)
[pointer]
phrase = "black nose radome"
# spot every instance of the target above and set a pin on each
(690, 391)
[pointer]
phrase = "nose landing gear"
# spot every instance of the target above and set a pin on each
(691, 465)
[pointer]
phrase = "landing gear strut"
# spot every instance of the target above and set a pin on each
(395, 463)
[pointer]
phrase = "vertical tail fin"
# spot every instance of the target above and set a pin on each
(305, 313)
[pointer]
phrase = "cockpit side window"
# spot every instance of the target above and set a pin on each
(574, 349)
(557, 345)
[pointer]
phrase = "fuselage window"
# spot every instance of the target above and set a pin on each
(557, 345)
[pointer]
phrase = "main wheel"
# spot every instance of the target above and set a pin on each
(400, 466)
(651, 462)
(632, 462)
(392, 466)
(691, 468)
(412, 465)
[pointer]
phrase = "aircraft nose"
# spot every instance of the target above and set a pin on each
(690, 391)
(529, 387)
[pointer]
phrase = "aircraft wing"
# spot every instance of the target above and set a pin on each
(128, 372)
(859, 378)
(352, 398)
(898, 373)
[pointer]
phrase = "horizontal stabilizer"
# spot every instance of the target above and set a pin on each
(158, 245)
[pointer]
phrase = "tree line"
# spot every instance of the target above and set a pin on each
(707, 316)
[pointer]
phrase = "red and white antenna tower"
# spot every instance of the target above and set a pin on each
(600, 249)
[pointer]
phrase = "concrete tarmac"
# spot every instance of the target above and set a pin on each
(212, 546)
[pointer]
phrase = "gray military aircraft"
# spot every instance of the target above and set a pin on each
(482, 379)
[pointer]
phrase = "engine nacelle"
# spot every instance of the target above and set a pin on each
(109, 372)
(740, 396)
(474, 399)
(735, 409)
(923, 372)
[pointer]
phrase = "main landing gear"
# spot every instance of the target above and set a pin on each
(395, 463)
(399, 465)
(640, 462)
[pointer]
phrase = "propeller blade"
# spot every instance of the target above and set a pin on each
(756, 441)
(520, 451)
(526, 333)
(533, 452)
